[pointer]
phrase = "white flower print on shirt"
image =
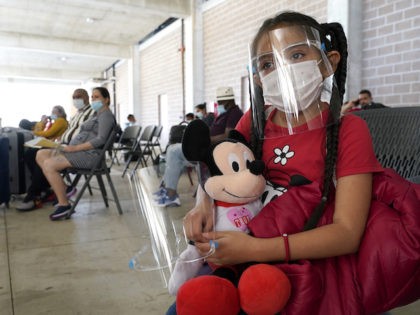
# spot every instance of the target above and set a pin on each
(283, 155)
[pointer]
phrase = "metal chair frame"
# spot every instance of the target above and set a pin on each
(100, 169)
(127, 141)
(143, 149)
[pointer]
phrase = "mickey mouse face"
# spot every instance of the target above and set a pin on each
(236, 184)
(232, 158)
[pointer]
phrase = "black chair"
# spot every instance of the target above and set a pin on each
(396, 138)
(142, 149)
(156, 142)
(100, 169)
(127, 142)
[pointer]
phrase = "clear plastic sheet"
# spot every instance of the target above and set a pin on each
(165, 240)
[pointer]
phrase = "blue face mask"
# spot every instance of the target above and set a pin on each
(96, 105)
(221, 109)
(53, 117)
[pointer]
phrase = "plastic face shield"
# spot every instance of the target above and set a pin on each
(291, 81)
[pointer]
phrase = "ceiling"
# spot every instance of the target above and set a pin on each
(76, 40)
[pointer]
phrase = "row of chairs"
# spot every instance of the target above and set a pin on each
(140, 143)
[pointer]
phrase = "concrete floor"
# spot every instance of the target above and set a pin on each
(80, 266)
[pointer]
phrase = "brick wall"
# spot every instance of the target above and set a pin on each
(161, 73)
(391, 50)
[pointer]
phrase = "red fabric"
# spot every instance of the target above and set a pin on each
(263, 289)
(384, 274)
(197, 296)
(304, 153)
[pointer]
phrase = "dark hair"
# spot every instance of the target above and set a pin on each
(130, 116)
(201, 106)
(104, 92)
(332, 38)
(366, 92)
(190, 115)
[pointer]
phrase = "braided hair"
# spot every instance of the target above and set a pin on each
(332, 38)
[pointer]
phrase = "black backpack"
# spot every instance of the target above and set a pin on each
(176, 133)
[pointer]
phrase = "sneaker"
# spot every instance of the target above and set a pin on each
(28, 204)
(70, 192)
(61, 212)
(166, 201)
(160, 193)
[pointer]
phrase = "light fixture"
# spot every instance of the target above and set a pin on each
(90, 20)
(63, 58)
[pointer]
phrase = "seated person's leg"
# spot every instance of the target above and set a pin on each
(175, 163)
(37, 185)
(51, 167)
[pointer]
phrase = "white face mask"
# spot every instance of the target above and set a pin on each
(78, 103)
(199, 115)
(295, 91)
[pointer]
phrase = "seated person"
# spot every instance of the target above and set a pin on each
(82, 151)
(229, 115)
(201, 113)
(365, 101)
(189, 117)
(38, 190)
(52, 127)
(131, 121)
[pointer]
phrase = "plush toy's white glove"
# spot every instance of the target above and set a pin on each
(185, 269)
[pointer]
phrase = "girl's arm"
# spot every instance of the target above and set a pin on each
(341, 237)
(200, 218)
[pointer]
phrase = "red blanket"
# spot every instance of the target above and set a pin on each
(384, 274)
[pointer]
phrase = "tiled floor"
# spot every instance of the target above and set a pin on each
(80, 266)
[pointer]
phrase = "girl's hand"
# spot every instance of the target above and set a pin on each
(197, 221)
(232, 247)
(200, 218)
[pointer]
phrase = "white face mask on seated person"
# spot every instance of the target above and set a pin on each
(78, 103)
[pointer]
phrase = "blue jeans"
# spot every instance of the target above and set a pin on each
(175, 164)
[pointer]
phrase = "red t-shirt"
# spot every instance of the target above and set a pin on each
(291, 159)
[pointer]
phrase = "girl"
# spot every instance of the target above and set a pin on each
(319, 167)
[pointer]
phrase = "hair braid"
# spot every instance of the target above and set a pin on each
(339, 43)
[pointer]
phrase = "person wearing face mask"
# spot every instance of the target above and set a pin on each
(54, 126)
(81, 152)
(333, 217)
(201, 113)
(229, 115)
(84, 112)
(39, 189)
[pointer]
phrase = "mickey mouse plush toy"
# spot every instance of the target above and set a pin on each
(235, 184)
